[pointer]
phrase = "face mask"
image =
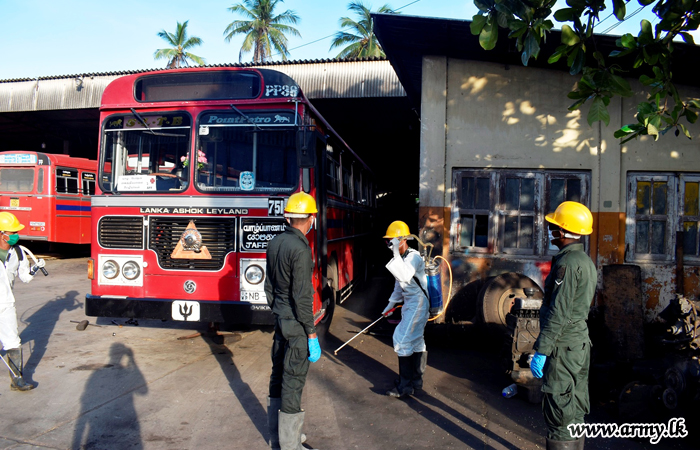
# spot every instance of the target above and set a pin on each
(12, 239)
(313, 222)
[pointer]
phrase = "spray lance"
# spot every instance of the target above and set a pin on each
(434, 294)
(39, 264)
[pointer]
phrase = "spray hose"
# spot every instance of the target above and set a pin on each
(430, 260)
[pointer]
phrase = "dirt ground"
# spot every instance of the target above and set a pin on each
(128, 386)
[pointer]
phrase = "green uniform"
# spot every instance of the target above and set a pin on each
(568, 292)
(289, 291)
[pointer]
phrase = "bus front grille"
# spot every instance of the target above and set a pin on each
(121, 232)
(218, 236)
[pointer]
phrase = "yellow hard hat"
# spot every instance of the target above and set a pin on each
(301, 203)
(8, 222)
(572, 217)
(397, 229)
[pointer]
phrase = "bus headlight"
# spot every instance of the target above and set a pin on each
(254, 274)
(110, 269)
(131, 270)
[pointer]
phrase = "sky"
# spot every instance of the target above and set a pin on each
(43, 38)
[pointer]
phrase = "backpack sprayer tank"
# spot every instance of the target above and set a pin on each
(432, 272)
(434, 279)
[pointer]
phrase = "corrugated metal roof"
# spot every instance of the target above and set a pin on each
(330, 78)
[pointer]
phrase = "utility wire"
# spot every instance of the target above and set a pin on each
(608, 30)
(331, 35)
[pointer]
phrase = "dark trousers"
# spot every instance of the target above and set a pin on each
(290, 364)
(565, 389)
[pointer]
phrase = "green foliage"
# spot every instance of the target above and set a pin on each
(178, 55)
(265, 31)
(651, 51)
(358, 36)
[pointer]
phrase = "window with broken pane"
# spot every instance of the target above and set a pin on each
(502, 211)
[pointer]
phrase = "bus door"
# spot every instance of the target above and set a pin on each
(86, 192)
(68, 227)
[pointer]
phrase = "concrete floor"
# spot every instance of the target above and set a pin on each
(139, 387)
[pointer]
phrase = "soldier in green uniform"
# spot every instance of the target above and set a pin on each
(563, 348)
(290, 294)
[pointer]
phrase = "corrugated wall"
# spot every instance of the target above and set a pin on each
(322, 79)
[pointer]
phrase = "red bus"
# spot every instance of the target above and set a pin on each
(195, 167)
(50, 194)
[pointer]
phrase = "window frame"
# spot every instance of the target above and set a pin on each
(502, 213)
(76, 178)
(682, 217)
(458, 212)
(671, 179)
(547, 207)
(497, 212)
(333, 165)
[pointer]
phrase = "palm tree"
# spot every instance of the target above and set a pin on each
(264, 31)
(178, 55)
(359, 38)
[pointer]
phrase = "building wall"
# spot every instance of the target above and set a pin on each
(478, 115)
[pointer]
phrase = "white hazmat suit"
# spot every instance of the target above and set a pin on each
(15, 265)
(409, 270)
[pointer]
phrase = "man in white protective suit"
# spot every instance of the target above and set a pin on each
(408, 268)
(14, 263)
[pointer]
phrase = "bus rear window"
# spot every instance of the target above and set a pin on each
(197, 86)
(16, 180)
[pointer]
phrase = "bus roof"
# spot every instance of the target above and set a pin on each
(54, 159)
(199, 84)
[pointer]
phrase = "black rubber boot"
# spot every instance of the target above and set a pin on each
(564, 445)
(14, 359)
(289, 429)
(273, 408)
(420, 361)
(404, 387)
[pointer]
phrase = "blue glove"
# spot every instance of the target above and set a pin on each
(314, 350)
(537, 364)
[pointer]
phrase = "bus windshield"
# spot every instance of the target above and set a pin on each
(16, 180)
(255, 152)
(145, 153)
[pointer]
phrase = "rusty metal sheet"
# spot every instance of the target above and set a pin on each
(623, 311)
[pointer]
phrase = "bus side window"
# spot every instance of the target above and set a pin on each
(88, 184)
(61, 186)
(66, 181)
(40, 181)
(332, 174)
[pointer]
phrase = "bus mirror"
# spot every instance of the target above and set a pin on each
(306, 146)
(306, 180)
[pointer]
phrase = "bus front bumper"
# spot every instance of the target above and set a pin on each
(143, 308)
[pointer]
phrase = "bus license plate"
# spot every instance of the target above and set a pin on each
(185, 311)
(253, 297)
(14, 202)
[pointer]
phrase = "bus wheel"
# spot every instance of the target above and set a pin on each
(497, 296)
(329, 299)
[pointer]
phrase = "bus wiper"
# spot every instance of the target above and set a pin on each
(143, 122)
(250, 121)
